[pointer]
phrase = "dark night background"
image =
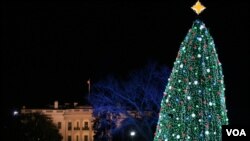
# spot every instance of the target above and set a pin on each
(50, 49)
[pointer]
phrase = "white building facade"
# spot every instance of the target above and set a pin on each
(74, 124)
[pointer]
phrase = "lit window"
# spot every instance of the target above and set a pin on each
(86, 124)
(86, 138)
(69, 126)
(69, 138)
(77, 138)
(59, 125)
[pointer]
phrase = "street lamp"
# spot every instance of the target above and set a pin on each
(15, 113)
(132, 134)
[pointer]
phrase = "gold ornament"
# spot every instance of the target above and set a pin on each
(198, 7)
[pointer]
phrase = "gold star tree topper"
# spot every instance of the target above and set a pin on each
(198, 7)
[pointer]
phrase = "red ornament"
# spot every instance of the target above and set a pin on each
(185, 61)
(164, 94)
(205, 46)
(185, 91)
(193, 57)
(178, 55)
(195, 47)
(207, 125)
(191, 68)
(218, 117)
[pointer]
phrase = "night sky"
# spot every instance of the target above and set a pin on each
(50, 49)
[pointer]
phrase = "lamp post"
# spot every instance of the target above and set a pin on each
(15, 113)
(132, 134)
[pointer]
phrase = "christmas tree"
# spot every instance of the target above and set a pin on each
(193, 106)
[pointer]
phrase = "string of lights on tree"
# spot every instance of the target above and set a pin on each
(193, 106)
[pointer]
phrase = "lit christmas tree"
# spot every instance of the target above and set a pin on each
(193, 106)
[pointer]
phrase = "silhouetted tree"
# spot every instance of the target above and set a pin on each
(102, 125)
(33, 127)
(137, 96)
